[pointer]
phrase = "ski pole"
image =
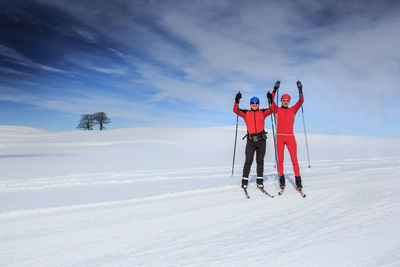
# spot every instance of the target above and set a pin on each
(276, 88)
(234, 147)
(277, 85)
(273, 134)
(300, 87)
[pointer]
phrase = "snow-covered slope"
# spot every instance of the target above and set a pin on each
(165, 197)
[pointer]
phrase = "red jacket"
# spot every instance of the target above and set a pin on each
(285, 116)
(255, 120)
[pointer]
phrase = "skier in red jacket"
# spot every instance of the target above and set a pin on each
(256, 137)
(285, 119)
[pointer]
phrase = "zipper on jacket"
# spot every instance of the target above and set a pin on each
(255, 124)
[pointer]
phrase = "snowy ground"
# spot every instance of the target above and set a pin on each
(165, 197)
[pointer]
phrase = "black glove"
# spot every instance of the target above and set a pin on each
(276, 86)
(269, 97)
(238, 97)
(300, 86)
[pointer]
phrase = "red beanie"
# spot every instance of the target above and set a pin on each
(285, 96)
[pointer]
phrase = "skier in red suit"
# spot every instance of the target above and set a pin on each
(256, 137)
(285, 119)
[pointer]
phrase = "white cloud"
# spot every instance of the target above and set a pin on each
(85, 35)
(109, 70)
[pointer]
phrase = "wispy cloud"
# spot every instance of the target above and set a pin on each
(6, 70)
(109, 70)
(85, 34)
(16, 57)
(82, 102)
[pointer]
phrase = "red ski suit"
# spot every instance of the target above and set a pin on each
(285, 120)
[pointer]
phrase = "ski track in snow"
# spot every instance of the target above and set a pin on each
(154, 223)
(200, 217)
(331, 169)
(136, 177)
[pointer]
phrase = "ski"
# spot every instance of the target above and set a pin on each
(281, 191)
(265, 192)
(298, 190)
(301, 192)
(246, 193)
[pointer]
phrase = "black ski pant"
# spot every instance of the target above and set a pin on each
(259, 148)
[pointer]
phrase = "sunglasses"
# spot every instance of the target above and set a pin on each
(254, 103)
(285, 100)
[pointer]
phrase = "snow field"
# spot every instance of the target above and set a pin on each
(193, 213)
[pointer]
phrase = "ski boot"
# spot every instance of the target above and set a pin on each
(282, 181)
(260, 182)
(245, 182)
(299, 186)
(281, 184)
(298, 182)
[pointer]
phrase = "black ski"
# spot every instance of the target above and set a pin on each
(246, 193)
(281, 191)
(297, 189)
(265, 192)
(301, 192)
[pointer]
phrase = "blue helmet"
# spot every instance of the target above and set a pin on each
(254, 99)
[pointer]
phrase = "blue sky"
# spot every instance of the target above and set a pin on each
(180, 63)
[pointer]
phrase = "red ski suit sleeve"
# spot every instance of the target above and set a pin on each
(255, 120)
(285, 116)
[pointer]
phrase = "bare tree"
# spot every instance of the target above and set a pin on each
(101, 118)
(87, 122)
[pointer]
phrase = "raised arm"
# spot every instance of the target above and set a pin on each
(266, 112)
(236, 108)
(272, 105)
(301, 97)
(297, 106)
(238, 111)
(271, 101)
